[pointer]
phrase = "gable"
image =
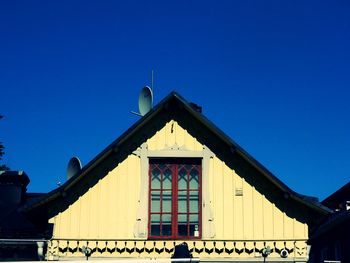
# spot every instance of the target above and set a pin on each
(113, 207)
(157, 124)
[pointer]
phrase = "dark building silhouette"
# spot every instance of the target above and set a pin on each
(21, 237)
(331, 241)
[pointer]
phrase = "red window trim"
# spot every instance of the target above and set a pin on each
(174, 222)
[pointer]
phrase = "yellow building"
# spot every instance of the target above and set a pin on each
(174, 177)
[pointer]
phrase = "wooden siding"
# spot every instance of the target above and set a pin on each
(109, 209)
(242, 213)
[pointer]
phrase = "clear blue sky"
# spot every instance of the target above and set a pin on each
(273, 75)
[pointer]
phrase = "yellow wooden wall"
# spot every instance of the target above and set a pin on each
(108, 210)
(250, 216)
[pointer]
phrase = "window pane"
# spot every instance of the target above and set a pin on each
(155, 230)
(182, 218)
(155, 205)
(188, 167)
(166, 198)
(166, 218)
(194, 178)
(182, 202)
(167, 179)
(155, 219)
(182, 225)
(194, 219)
(182, 230)
(194, 202)
(166, 224)
(155, 179)
(182, 179)
(166, 230)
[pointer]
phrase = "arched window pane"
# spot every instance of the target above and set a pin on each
(167, 179)
(155, 179)
(182, 179)
(194, 179)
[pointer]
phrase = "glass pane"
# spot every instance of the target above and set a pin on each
(182, 179)
(182, 225)
(155, 205)
(182, 230)
(166, 230)
(155, 179)
(167, 179)
(166, 225)
(194, 219)
(188, 167)
(155, 219)
(182, 218)
(166, 218)
(194, 202)
(194, 178)
(166, 198)
(182, 202)
(155, 230)
(155, 225)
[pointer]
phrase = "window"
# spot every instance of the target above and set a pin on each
(175, 198)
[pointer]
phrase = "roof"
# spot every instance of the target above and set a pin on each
(14, 177)
(14, 223)
(338, 221)
(175, 107)
(336, 224)
(341, 195)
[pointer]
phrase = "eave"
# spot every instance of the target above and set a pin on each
(172, 106)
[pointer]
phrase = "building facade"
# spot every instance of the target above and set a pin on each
(174, 178)
(21, 238)
(331, 240)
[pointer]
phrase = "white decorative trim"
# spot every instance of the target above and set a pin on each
(208, 225)
(141, 224)
(205, 250)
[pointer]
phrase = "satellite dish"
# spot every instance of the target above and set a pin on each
(74, 167)
(145, 100)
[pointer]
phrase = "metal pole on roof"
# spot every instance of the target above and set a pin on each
(152, 80)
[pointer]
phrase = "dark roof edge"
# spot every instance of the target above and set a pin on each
(337, 194)
(244, 154)
(142, 121)
(57, 192)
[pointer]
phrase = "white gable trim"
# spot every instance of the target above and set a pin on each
(141, 224)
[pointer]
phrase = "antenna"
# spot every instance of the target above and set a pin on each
(145, 101)
(74, 167)
(152, 79)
